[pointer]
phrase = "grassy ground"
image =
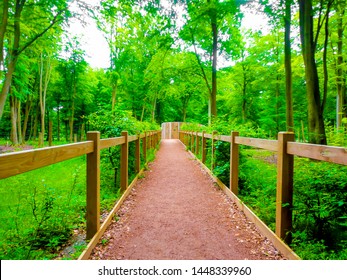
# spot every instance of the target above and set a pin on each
(40, 209)
(43, 210)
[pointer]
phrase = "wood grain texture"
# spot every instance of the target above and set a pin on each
(270, 145)
(111, 142)
(320, 152)
(93, 186)
(20, 162)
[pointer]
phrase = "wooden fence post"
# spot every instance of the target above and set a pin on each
(191, 141)
(203, 148)
(124, 162)
(196, 143)
(284, 196)
(93, 186)
(212, 150)
(137, 155)
(234, 164)
(144, 147)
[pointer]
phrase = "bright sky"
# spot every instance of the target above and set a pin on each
(92, 41)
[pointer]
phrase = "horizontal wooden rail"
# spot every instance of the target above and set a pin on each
(111, 142)
(19, 162)
(133, 138)
(319, 152)
(270, 145)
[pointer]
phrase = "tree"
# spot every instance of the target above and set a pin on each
(288, 66)
(211, 27)
(309, 46)
(54, 12)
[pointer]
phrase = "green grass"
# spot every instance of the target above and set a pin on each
(39, 210)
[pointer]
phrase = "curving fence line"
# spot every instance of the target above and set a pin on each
(286, 149)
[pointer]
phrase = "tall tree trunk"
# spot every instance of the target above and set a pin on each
(58, 123)
(28, 104)
(288, 67)
(3, 27)
(203, 75)
(340, 73)
(315, 113)
(19, 121)
(114, 94)
(12, 55)
(213, 18)
(14, 135)
(44, 81)
(325, 51)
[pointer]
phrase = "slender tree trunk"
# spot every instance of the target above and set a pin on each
(213, 17)
(6, 85)
(12, 55)
(154, 106)
(44, 81)
(3, 27)
(13, 107)
(114, 94)
(19, 121)
(288, 67)
(26, 118)
(58, 122)
(315, 113)
(36, 120)
(71, 120)
(340, 73)
(325, 51)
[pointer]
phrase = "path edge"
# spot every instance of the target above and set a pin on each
(94, 241)
(262, 227)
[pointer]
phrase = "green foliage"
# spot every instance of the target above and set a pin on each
(111, 124)
(40, 209)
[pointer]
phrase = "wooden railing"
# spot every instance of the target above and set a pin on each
(285, 147)
(19, 162)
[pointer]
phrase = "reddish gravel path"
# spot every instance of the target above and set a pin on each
(176, 212)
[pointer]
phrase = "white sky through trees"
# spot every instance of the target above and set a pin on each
(95, 45)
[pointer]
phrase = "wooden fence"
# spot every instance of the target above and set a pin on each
(19, 162)
(286, 149)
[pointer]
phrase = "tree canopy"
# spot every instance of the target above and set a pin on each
(175, 60)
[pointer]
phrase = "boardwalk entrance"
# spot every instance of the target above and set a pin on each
(176, 212)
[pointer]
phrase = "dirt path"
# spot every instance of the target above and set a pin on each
(176, 212)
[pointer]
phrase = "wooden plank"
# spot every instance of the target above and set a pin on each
(93, 186)
(225, 138)
(124, 163)
(111, 142)
(284, 190)
(20, 162)
(320, 152)
(132, 138)
(270, 145)
(234, 164)
(263, 228)
(209, 136)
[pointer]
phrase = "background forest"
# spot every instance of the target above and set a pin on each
(193, 61)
